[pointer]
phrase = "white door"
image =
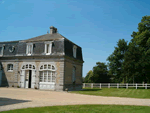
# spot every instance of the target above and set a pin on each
(22, 78)
(26, 78)
(33, 78)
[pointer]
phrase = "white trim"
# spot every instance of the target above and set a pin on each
(74, 51)
(50, 47)
(10, 67)
(28, 45)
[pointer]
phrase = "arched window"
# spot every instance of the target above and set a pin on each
(74, 74)
(47, 73)
(28, 67)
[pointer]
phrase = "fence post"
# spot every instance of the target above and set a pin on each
(108, 85)
(91, 85)
(136, 85)
(126, 85)
(117, 85)
(100, 86)
(145, 86)
(83, 85)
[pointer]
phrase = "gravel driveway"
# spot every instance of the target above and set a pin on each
(14, 98)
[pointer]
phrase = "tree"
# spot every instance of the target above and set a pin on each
(100, 73)
(137, 59)
(116, 60)
(88, 78)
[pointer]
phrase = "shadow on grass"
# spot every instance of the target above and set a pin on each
(9, 101)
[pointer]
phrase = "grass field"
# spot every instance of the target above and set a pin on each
(121, 92)
(85, 109)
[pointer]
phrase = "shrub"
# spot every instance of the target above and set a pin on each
(18, 86)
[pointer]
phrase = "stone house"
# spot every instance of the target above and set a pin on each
(49, 61)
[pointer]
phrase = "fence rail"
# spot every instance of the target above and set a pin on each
(117, 85)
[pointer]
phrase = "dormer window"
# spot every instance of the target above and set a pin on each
(1, 51)
(48, 48)
(29, 49)
(74, 51)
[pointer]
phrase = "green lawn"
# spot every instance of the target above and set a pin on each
(121, 92)
(85, 109)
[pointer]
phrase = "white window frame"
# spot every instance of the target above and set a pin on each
(1, 54)
(27, 49)
(50, 47)
(10, 67)
(74, 51)
(48, 71)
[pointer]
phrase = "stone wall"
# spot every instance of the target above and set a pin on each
(9, 78)
(68, 75)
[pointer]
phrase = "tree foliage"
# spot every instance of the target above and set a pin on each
(99, 74)
(129, 62)
(116, 60)
(135, 60)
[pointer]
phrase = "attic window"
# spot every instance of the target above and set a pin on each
(48, 48)
(29, 49)
(74, 51)
(1, 51)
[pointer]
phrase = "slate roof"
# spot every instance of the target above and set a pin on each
(60, 46)
(45, 37)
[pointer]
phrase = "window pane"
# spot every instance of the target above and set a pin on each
(0, 50)
(45, 76)
(41, 76)
(49, 66)
(47, 48)
(49, 76)
(27, 66)
(10, 67)
(33, 67)
(30, 66)
(23, 67)
(45, 66)
(53, 76)
(41, 67)
(53, 68)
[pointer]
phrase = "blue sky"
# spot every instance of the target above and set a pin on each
(95, 25)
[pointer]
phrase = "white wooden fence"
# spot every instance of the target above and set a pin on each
(117, 85)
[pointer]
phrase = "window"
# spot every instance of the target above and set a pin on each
(1, 50)
(74, 74)
(48, 48)
(47, 76)
(28, 67)
(74, 51)
(0, 67)
(47, 73)
(29, 49)
(10, 67)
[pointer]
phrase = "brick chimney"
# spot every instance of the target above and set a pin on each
(53, 30)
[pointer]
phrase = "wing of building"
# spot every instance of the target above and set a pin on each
(50, 62)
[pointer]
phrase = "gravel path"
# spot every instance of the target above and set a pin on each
(14, 98)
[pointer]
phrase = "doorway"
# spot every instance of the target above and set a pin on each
(30, 74)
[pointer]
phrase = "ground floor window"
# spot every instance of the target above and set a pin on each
(47, 76)
(10, 67)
